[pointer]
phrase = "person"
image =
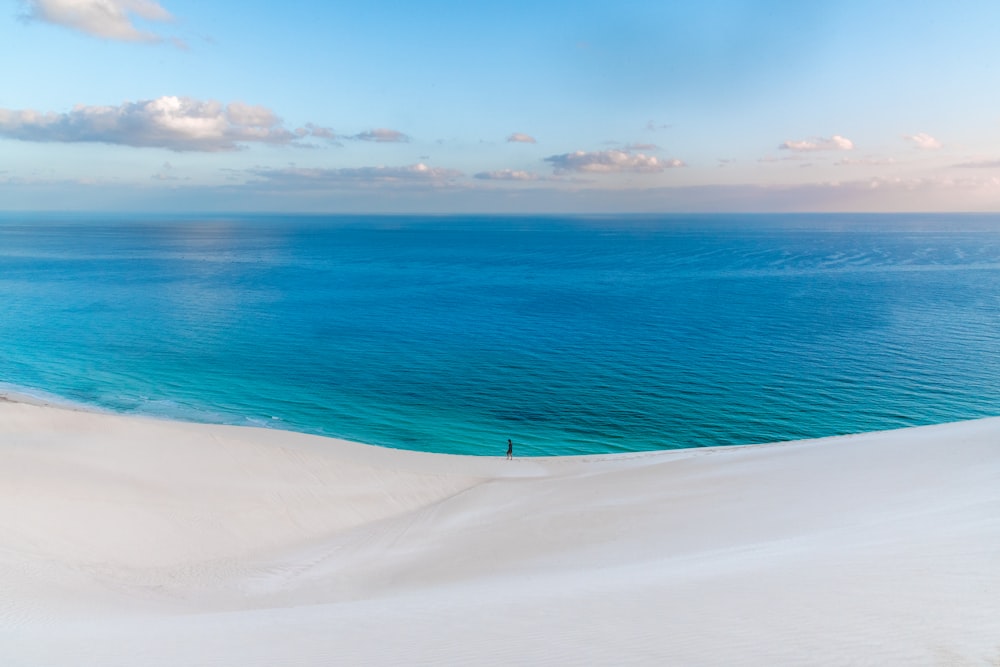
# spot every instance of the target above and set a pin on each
(510, 449)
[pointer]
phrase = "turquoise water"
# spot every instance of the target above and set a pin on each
(568, 335)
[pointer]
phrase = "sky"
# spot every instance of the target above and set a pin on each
(442, 106)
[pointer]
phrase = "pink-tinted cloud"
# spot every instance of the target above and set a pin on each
(923, 140)
(834, 143)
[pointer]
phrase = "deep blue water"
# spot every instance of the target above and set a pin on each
(569, 335)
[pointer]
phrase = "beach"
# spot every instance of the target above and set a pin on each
(128, 540)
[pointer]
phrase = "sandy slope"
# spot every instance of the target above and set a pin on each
(137, 542)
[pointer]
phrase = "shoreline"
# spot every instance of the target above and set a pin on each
(44, 399)
(129, 539)
(39, 398)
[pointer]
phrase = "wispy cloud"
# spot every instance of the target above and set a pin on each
(382, 135)
(165, 173)
(772, 159)
(106, 19)
(506, 175)
(519, 138)
(834, 143)
(175, 123)
(865, 162)
(320, 178)
(407, 191)
(610, 161)
(641, 147)
(311, 130)
(980, 164)
(923, 140)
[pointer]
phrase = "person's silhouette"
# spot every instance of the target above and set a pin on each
(510, 449)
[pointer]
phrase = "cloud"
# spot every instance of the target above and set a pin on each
(175, 123)
(980, 164)
(347, 191)
(106, 19)
(865, 162)
(164, 174)
(519, 138)
(923, 140)
(611, 161)
(641, 147)
(323, 178)
(382, 135)
(316, 131)
(506, 175)
(768, 159)
(834, 143)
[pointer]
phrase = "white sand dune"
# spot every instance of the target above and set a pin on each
(127, 541)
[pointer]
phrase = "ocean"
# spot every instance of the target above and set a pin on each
(569, 335)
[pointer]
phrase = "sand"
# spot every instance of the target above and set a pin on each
(131, 541)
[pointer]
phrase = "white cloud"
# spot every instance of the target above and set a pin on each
(834, 143)
(175, 123)
(506, 175)
(107, 19)
(923, 140)
(519, 138)
(315, 177)
(610, 161)
(382, 135)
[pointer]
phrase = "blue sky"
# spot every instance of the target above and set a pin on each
(443, 106)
